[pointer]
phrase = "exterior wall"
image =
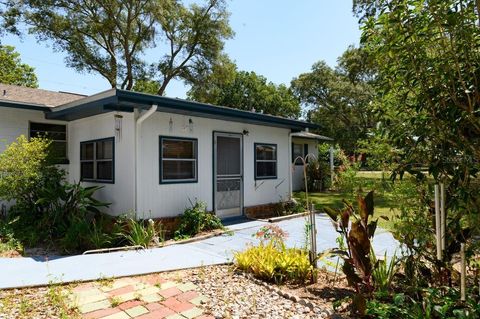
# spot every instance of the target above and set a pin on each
(162, 200)
(298, 182)
(121, 194)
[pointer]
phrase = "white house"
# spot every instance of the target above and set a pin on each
(154, 154)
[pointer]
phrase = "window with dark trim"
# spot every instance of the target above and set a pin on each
(265, 161)
(178, 160)
(57, 133)
(299, 150)
(97, 160)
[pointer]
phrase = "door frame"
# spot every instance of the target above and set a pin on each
(214, 169)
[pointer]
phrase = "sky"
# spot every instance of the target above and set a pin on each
(278, 39)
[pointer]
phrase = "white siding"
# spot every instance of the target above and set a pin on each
(298, 181)
(162, 200)
(121, 193)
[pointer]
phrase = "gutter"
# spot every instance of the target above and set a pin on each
(138, 130)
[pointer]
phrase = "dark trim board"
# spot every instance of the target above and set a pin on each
(113, 161)
(255, 162)
(160, 156)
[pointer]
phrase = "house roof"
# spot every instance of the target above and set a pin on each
(69, 106)
(312, 136)
(127, 101)
(11, 95)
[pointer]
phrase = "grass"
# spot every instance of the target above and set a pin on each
(386, 203)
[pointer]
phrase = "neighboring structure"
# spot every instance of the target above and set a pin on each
(155, 155)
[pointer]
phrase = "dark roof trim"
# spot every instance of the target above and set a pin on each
(127, 101)
(24, 106)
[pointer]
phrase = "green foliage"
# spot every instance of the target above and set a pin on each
(195, 220)
(142, 233)
(8, 242)
(246, 91)
(339, 98)
(13, 71)
(433, 303)
(318, 175)
(110, 37)
(272, 261)
(383, 272)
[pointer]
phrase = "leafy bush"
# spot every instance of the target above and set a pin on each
(195, 220)
(272, 261)
(318, 175)
(8, 242)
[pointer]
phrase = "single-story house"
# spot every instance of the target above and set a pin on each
(154, 155)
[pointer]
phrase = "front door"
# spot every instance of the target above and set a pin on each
(228, 174)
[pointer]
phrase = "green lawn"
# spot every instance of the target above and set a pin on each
(385, 203)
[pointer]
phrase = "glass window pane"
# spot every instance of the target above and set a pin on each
(178, 170)
(297, 151)
(86, 170)
(266, 169)
(266, 152)
(86, 151)
(59, 149)
(105, 171)
(178, 149)
(105, 149)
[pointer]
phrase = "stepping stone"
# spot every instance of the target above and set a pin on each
(199, 300)
(115, 285)
(192, 313)
(187, 287)
(151, 298)
(89, 307)
(120, 315)
(168, 284)
(136, 311)
(147, 291)
(176, 316)
(170, 292)
(128, 296)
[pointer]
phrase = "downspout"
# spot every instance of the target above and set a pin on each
(290, 164)
(138, 130)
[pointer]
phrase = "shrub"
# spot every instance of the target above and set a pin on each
(8, 242)
(195, 220)
(272, 261)
(318, 176)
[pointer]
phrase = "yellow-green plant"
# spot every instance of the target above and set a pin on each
(272, 261)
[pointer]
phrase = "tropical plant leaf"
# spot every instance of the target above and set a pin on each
(332, 213)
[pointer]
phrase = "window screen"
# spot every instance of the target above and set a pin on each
(55, 132)
(178, 160)
(97, 160)
(265, 161)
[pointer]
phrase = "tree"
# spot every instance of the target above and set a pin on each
(246, 91)
(339, 98)
(111, 37)
(13, 71)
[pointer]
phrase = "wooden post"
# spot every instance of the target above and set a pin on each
(442, 215)
(462, 272)
(313, 241)
(437, 223)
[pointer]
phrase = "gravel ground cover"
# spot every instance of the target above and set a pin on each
(229, 294)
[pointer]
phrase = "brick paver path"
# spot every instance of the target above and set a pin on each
(147, 297)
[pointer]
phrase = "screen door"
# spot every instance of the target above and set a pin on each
(228, 174)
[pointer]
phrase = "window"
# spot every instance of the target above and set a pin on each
(97, 161)
(178, 160)
(57, 133)
(299, 150)
(265, 161)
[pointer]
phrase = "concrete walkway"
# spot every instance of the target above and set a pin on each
(22, 272)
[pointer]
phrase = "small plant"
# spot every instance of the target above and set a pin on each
(383, 272)
(141, 233)
(195, 220)
(272, 261)
(115, 301)
(8, 242)
(357, 235)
